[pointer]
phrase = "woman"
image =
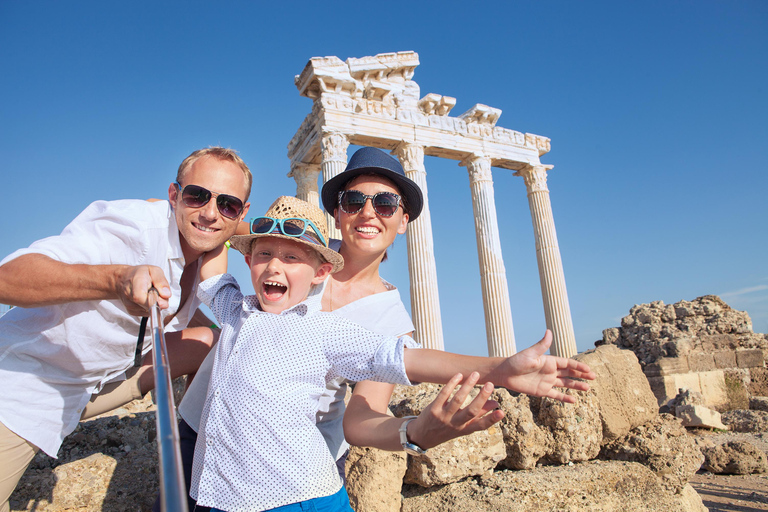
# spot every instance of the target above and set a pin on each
(372, 202)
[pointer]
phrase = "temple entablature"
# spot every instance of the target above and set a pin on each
(374, 101)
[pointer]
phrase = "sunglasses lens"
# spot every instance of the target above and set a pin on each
(352, 201)
(262, 225)
(293, 227)
(385, 203)
(194, 196)
(229, 206)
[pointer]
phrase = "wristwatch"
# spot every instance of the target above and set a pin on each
(409, 447)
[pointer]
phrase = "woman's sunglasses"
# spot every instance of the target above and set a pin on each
(294, 227)
(196, 196)
(384, 203)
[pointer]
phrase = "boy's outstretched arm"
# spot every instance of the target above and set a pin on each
(529, 371)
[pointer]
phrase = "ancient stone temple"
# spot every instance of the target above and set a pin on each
(373, 101)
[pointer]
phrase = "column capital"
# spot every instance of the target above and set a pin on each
(478, 166)
(334, 147)
(411, 156)
(305, 175)
(535, 176)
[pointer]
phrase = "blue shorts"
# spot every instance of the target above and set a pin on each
(338, 502)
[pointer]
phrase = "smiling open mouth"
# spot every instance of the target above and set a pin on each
(273, 290)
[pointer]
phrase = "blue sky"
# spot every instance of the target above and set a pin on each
(656, 110)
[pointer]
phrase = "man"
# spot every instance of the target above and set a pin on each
(72, 347)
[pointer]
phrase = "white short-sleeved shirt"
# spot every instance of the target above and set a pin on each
(258, 446)
(53, 358)
(382, 313)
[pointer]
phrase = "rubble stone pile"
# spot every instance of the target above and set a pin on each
(702, 345)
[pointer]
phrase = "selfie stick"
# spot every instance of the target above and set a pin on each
(173, 494)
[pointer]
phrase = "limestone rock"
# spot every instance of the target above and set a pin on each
(699, 416)
(525, 441)
(108, 463)
(597, 486)
(664, 446)
(735, 458)
(575, 430)
(475, 454)
(746, 421)
(374, 479)
(758, 403)
(621, 390)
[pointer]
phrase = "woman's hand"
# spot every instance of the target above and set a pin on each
(446, 418)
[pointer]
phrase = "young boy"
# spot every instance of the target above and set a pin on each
(258, 446)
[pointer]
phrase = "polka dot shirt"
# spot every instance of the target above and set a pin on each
(258, 446)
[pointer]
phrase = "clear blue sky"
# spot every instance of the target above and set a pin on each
(656, 110)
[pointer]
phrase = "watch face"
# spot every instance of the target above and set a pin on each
(413, 449)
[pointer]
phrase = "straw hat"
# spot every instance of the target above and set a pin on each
(287, 207)
(374, 161)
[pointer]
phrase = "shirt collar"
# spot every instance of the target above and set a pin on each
(311, 304)
(174, 248)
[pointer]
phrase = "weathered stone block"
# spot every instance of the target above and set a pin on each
(374, 479)
(758, 385)
(664, 446)
(623, 393)
(667, 366)
(666, 387)
(758, 403)
(725, 359)
(597, 486)
(699, 416)
(525, 441)
(749, 358)
(575, 429)
(475, 454)
(701, 362)
(735, 458)
(713, 388)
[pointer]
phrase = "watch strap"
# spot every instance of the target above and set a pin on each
(408, 446)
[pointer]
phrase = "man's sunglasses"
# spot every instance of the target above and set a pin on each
(384, 203)
(294, 227)
(196, 196)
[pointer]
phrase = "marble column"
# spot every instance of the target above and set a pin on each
(425, 302)
(305, 176)
(334, 150)
(556, 308)
(493, 276)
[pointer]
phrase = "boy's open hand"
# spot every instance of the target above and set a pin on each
(532, 372)
(446, 418)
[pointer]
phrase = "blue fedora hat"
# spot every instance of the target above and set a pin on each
(374, 161)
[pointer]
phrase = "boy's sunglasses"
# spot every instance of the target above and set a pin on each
(196, 196)
(384, 203)
(295, 227)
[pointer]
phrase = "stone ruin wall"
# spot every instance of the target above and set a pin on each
(702, 345)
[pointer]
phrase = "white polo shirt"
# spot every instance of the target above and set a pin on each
(53, 358)
(258, 446)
